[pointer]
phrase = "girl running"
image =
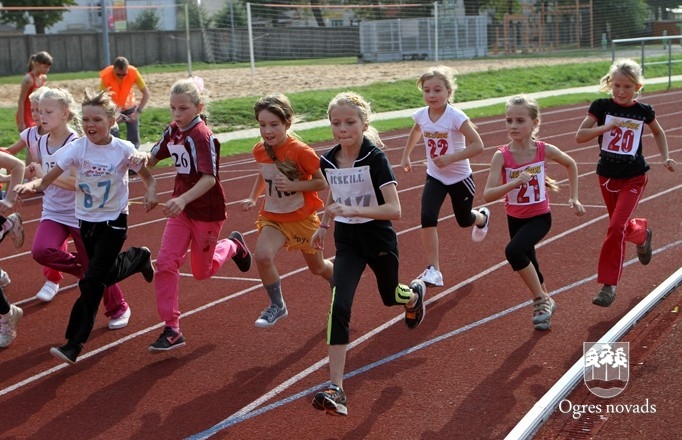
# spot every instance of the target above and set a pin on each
(290, 176)
(196, 212)
(518, 172)
(618, 123)
(451, 140)
(101, 164)
(362, 201)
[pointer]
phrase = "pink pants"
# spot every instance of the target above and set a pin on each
(621, 197)
(208, 254)
(50, 250)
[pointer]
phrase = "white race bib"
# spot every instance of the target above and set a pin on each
(352, 187)
(624, 138)
(532, 192)
(180, 158)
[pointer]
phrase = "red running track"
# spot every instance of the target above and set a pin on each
(471, 370)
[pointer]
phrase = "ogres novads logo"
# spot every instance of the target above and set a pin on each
(607, 367)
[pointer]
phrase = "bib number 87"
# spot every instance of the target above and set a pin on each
(88, 198)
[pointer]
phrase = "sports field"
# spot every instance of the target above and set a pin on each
(471, 370)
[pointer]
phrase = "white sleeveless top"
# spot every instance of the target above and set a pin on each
(59, 204)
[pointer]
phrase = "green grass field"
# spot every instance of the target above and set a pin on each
(236, 114)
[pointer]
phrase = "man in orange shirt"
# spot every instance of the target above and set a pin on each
(120, 78)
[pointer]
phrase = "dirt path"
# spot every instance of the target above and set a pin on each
(231, 83)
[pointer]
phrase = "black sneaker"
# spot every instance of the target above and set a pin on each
(147, 269)
(644, 251)
(332, 400)
(243, 257)
(606, 296)
(415, 315)
(68, 352)
(169, 340)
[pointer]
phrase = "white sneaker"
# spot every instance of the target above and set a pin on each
(4, 279)
(431, 277)
(478, 233)
(8, 326)
(121, 321)
(48, 291)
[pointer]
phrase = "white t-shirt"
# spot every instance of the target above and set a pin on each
(443, 137)
(101, 177)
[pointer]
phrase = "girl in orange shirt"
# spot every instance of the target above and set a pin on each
(290, 177)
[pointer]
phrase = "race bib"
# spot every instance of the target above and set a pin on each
(352, 187)
(180, 158)
(532, 192)
(98, 193)
(278, 202)
(624, 138)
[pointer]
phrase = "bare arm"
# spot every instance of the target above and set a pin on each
(662, 144)
(589, 129)
(494, 189)
(176, 205)
(412, 139)
(567, 162)
(16, 169)
(150, 197)
(258, 188)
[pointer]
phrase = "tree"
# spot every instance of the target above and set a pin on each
(42, 19)
(148, 20)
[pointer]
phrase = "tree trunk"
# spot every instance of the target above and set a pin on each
(317, 13)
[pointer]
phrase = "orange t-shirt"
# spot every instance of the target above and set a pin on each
(122, 88)
(283, 206)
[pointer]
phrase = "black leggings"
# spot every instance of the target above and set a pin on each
(525, 233)
(461, 196)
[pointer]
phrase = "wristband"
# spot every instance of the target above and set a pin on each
(139, 110)
(324, 226)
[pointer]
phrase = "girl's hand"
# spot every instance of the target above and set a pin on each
(524, 177)
(25, 188)
(36, 170)
(174, 207)
(671, 165)
(406, 164)
(140, 158)
(150, 201)
(576, 206)
(317, 240)
(283, 184)
(248, 204)
(338, 209)
(442, 161)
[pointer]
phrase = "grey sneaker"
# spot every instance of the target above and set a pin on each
(543, 309)
(644, 251)
(332, 400)
(17, 230)
(8, 326)
(271, 315)
(4, 279)
(606, 296)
